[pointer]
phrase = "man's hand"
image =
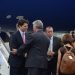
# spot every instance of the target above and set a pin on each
(50, 53)
(14, 51)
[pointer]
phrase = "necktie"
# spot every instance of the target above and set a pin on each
(23, 37)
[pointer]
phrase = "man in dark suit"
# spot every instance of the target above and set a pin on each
(36, 61)
(55, 44)
(17, 62)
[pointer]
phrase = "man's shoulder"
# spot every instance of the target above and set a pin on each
(28, 32)
(37, 34)
(56, 38)
(14, 34)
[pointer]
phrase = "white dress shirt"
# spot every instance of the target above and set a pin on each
(51, 44)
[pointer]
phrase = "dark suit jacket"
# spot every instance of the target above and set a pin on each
(56, 44)
(15, 42)
(38, 44)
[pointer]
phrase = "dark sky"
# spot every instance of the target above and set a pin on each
(58, 13)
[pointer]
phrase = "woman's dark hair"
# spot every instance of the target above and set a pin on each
(67, 38)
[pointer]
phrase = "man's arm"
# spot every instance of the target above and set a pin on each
(25, 47)
(12, 44)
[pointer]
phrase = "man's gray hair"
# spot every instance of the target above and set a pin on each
(38, 24)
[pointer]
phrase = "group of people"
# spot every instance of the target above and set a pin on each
(36, 53)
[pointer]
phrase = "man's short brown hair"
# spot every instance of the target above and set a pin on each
(22, 21)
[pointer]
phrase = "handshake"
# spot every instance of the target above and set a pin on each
(50, 53)
(14, 51)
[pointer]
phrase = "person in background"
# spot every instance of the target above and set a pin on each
(68, 42)
(73, 34)
(55, 44)
(74, 42)
(17, 62)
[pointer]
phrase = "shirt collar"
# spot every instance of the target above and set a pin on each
(21, 32)
(51, 37)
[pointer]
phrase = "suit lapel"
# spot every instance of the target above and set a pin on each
(20, 37)
(25, 36)
(54, 42)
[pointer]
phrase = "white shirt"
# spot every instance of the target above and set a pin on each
(50, 47)
(51, 44)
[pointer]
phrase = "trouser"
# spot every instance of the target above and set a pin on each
(36, 71)
(51, 70)
(18, 71)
